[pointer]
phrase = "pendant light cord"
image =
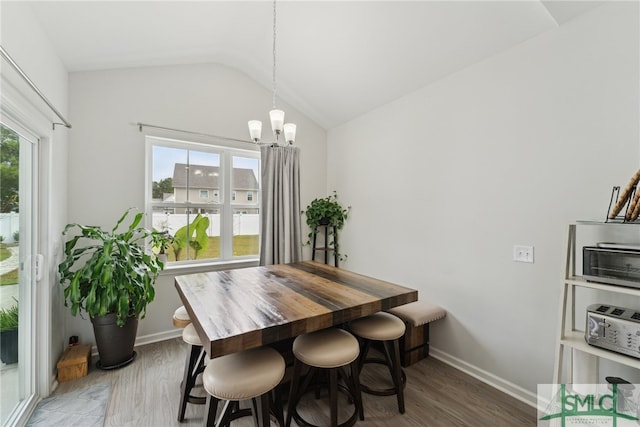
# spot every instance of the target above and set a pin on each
(274, 54)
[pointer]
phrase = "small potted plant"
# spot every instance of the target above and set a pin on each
(161, 241)
(9, 334)
(110, 275)
(327, 211)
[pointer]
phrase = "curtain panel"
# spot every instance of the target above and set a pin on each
(281, 241)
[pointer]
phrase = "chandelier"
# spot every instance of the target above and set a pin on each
(278, 125)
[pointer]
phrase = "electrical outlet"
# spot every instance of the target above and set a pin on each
(523, 253)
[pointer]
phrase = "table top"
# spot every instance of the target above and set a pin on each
(235, 310)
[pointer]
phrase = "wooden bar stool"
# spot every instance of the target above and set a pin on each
(250, 374)
(332, 350)
(181, 317)
(387, 329)
(193, 366)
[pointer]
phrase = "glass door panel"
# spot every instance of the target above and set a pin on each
(16, 278)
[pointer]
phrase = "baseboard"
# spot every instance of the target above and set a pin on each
(149, 339)
(160, 336)
(494, 381)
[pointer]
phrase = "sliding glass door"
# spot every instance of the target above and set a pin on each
(17, 268)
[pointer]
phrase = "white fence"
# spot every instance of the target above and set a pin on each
(9, 225)
(243, 224)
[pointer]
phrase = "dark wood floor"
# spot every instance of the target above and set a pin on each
(146, 393)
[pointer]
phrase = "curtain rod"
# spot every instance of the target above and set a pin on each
(26, 78)
(145, 125)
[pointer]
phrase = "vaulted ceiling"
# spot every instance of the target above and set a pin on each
(335, 59)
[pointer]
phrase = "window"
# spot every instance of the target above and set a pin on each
(180, 179)
(249, 196)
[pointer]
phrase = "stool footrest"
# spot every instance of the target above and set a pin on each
(382, 392)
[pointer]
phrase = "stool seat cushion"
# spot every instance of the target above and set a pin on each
(181, 317)
(243, 375)
(418, 313)
(327, 348)
(190, 336)
(378, 327)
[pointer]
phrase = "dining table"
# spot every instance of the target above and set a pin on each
(240, 309)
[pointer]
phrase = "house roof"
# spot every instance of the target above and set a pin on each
(207, 177)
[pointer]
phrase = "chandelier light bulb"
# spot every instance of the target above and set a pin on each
(289, 132)
(277, 120)
(255, 130)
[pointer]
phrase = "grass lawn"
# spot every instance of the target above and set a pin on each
(10, 278)
(4, 253)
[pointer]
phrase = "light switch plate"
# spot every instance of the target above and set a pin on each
(523, 253)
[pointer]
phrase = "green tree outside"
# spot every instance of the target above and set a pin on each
(162, 187)
(9, 163)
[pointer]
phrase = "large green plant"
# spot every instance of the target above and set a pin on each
(109, 272)
(185, 236)
(326, 211)
(9, 318)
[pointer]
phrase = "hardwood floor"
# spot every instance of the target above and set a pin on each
(146, 393)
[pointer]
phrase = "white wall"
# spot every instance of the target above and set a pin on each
(24, 40)
(106, 150)
(508, 151)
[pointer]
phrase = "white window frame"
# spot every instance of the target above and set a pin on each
(249, 196)
(206, 194)
(224, 205)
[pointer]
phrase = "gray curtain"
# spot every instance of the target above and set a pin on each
(281, 241)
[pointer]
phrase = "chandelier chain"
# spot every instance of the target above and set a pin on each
(274, 54)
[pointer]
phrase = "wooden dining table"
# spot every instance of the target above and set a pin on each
(240, 309)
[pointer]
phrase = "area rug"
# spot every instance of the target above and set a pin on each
(81, 408)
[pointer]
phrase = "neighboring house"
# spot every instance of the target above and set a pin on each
(201, 184)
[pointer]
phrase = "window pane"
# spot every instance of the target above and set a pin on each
(246, 231)
(181, 175)
(244, 180)
(164, 162)
(246, 219)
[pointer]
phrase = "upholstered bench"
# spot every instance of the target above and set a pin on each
(417, 316)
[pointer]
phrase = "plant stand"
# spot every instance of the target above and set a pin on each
(327, 247)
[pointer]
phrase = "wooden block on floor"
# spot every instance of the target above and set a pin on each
(74, 362)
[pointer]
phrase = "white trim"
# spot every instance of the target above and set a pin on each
(494, 381)
(149, 339)
(34, 125)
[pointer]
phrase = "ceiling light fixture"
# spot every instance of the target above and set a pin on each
(277, 116)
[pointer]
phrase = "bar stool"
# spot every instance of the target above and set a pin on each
(250, 374)
(194, 366)
(181, 317)
(388, 329)
(332, 350)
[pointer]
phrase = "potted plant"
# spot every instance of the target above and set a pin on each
(9, 334)
(110, 276)
(327, 211)
(161, 242)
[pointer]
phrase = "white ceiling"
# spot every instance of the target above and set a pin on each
(336, 59)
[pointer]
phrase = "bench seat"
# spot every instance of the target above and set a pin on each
(417, 316)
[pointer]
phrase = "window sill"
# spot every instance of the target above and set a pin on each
(209, 266)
